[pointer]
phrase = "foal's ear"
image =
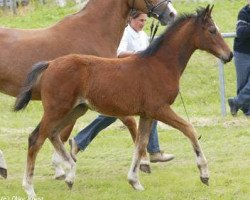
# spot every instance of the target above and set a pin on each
(207, 12)
(210, 11)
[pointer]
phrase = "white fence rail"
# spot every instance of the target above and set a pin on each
(222, 78)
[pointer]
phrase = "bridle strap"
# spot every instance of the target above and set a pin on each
(152, 7)
(153, 30)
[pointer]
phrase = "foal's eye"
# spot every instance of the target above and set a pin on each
(212, 30)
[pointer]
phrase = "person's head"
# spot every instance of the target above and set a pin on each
(137, 20)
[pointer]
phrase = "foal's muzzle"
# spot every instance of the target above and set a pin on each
(227, 59)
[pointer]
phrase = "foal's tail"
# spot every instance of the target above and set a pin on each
(25, 95)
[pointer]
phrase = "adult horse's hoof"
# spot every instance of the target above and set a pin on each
(205, 180)
(136, 185)
(3, 172)
(69, 184)
(145, 168)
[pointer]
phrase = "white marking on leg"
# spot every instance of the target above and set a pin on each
(202, 165)
(69, 165)
(70, 177)
(145, 161)
(133, 172)
(28, 187)
(57, 162)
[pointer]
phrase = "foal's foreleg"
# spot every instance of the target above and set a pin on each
(130, 123)
(168, 116)
(140, 145)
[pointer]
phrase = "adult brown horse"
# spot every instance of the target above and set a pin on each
(146, 84)
(95, 30)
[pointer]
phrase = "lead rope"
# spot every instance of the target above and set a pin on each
(186, 111)
(153, 30)
(184, 106)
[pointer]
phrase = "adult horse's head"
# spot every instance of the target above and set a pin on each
(209, 38)
(162, 10)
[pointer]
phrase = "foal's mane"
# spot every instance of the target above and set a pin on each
(155, 45)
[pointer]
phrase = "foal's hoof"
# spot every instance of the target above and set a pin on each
(70, 184)
(205, 180)
(3, 172)
(145, 168)
(136, 185)
(60, 177)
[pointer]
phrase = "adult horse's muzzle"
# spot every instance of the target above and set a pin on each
(168, 16)
(164, 12)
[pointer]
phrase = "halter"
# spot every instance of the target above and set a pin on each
(151, 7)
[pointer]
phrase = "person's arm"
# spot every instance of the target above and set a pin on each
(243, 26)
(125, 54)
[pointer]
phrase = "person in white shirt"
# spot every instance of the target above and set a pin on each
(134, 40)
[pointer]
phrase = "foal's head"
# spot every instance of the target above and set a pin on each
(159, 9)
(207, 36)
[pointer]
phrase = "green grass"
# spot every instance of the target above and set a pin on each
(102, 168)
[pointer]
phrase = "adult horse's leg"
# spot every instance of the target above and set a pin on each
(3, 166)
(130, 123)
(145, 125)
(168, 116)
(57, 160)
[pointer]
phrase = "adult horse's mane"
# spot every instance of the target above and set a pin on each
(155, 45)
(84, 6)
(66, 18)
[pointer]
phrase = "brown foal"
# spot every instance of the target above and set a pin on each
(145, 84)
(95, 30)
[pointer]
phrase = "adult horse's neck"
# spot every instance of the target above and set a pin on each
(109, 17)
(177, 46)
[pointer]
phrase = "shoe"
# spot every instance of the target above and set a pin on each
(73, 149)
(247, 114)
(160, 157)
(233, 106)
(246, 111)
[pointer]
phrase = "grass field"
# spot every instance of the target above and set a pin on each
(103, 167)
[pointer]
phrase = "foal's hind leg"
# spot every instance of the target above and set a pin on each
(50, 126)
(145, 125)
(168, 116)
(36, 140)
(57, 160)
(59, 147)
(130, 123)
